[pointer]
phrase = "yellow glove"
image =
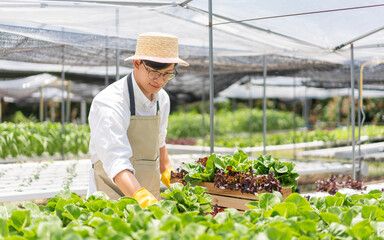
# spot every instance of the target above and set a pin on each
(166, 176)
(144, 197)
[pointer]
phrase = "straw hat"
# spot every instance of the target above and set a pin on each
(157, 47)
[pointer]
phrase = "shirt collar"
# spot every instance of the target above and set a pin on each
(139, 95)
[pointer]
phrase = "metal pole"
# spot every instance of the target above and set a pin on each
(340, 100)
(353, 114)
(62, 105)
(305, 115)
(106, 83)
(294, 118)
(359, 134)
(68, 119)
(117, 47)
(83, 107)
(211, 80)
(45, 111)
(309, 106)
(264, 105)
(250, 112)
(52, 110)
(41, 104)
(361, 112)
(304, 106)
(358, 38)
(349, 113)
(1, 109)
(203, 113)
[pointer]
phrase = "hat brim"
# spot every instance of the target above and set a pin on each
(160, 60)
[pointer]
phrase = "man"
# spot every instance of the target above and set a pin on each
(128, 122)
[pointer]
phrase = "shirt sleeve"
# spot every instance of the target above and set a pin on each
(164, 114)
(108, 135)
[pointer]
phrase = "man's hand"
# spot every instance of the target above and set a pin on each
(144, 197)
(166, 176)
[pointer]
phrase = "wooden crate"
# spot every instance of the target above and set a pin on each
(234, 199)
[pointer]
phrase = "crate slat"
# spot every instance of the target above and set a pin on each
(285, 192)
(234, 199)
(227, 192)
(230, 202)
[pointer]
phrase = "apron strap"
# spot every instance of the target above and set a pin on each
(131, 95)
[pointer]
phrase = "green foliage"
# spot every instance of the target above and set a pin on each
(326, 110)
(196, 173)
(19, 117)
(267, 201)
(189, 198)
(67, 216)
(283, 171)
(239, 161)
(332, 136)
(35, 139)
(189, 125)
(47, 138)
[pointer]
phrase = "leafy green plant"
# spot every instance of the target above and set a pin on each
(283, 171)
(71, 170)
(189, 198)
(35, 176)
(19, 117)
(67, 216)
(189, 125)
(42, 138)
(207, 169)
(336, 136)
(47, 138)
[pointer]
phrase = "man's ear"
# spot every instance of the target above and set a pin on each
(136, 63)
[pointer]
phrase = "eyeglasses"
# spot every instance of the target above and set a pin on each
(153, 74)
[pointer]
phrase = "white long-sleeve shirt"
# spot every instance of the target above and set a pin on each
(109, 118)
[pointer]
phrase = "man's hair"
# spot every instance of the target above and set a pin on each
(157, 65)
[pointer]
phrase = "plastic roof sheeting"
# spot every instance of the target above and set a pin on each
(16, 66)
(98, 26)
(29, 87)
(327, 30)
(24, 87)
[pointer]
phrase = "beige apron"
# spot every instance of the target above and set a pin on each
(143, 135)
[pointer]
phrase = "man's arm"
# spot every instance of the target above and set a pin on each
(127, 182)
(129, 185)
(164, 159)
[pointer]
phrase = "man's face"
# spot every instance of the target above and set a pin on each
(148, 80)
